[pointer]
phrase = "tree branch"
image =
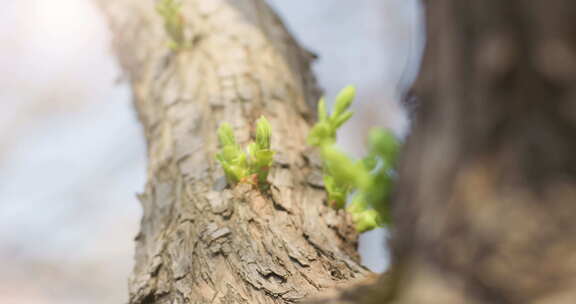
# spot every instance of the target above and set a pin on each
(201, 242)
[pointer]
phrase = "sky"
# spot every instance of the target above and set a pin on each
(72, 154)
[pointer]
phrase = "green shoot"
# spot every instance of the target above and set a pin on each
(251, 166)
(174, 23)
(375, 195)
(341, 175)
(324, 131)
(231, 157)
(369, 180)
(259, 152)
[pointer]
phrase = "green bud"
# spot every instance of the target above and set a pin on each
(236, 163)
(263, 162)
(341, 119)
(231, 157)
(233, 162)
(226, 135)
(344, 99)
(263, 133)
(261, 157)
(367, 220)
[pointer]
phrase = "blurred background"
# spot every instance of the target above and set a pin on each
(72, 156)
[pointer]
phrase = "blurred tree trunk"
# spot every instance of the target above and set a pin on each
(486, 200)
(487, 193)
(200, 242)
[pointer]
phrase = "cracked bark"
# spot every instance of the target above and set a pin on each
(201, 242)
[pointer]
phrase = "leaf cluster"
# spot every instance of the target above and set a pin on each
(370, 204)
(251, 166)
(369, 179)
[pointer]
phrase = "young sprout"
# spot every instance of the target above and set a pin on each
(260, 154)
(374, 196)
(263, 133)
(240, 166)
(341, 175)
(231, 157)
(324, 131)
(368, 180)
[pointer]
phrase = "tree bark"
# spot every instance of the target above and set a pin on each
(487, 190)
(200, 241)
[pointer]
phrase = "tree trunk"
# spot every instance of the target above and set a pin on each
(200, 241)
(486, 199)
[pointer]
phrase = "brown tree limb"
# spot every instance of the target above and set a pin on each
(201, 242)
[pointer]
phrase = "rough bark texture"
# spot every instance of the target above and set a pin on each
(201, 242)
(486, 200)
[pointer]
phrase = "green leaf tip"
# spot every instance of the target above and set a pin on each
(341, 119)
(263, 133)
(344, 99)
